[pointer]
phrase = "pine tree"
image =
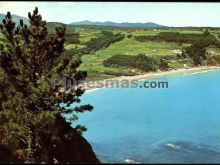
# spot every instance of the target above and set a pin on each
(29, 58)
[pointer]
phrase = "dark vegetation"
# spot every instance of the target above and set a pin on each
(72, 38)
(103, 40)
(141, 62)
(206, 39)
(197, 49)
(32, 125)
(198, 53)
(121, 73)
(199, 43)
(129, 35)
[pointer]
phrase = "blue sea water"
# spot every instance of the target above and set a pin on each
(180, 124)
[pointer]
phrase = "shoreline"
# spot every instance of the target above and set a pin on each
(150, 75)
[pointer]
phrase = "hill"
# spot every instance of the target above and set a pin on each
(89, 24)
(123, 24)
(15, 18)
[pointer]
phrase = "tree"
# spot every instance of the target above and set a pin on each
(72, 38)
(163, 64)
(206, 32)
(129, 35)
(198, 52)
(29, 106)
(147, 63)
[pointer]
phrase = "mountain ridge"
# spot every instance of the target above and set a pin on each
(15, 18)
(122, 24)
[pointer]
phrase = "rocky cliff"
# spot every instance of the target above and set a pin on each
(64, 146)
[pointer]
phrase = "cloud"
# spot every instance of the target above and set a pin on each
(116, 8)
(65, 4)
(171, 14)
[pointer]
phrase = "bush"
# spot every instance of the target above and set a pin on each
(198, 52)
(142, 62)
(103, 40)
(72, 38)
(129, 36)
(217, 59)
(147, 63)
(169, 57)
(119, 61)
(210, 61)
(119, 73)
(206, 38)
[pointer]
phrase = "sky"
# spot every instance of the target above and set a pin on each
(164, 13)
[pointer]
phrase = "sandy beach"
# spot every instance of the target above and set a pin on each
(150, 75)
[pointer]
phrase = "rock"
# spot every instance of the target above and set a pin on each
(65, 145)
(6, 155)
(70, 147)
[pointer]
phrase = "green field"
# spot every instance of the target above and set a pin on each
(93, 63)
(132, 47)
(87, 34)
(181, 63)
(1, 35)
(73, 46)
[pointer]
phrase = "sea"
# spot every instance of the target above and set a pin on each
(178, 124)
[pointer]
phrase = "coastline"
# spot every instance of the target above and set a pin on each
(149, 75)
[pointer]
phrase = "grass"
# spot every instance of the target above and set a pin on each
(214, 49)
(215, 33)
(132, 47)
(73, 46)
(144, 32)
(1, 36)
(98, 71)
(93, 64)
(87, 34)
(155, 32)
(180, 64)
(217, 59)
(188, 31)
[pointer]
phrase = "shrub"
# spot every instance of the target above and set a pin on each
(142, 62)
(103, 40)
(206, 38)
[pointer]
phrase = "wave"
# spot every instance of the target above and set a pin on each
(205, 71)
(92, 90)
(173, 146)
(130, 161)
(184, 152)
